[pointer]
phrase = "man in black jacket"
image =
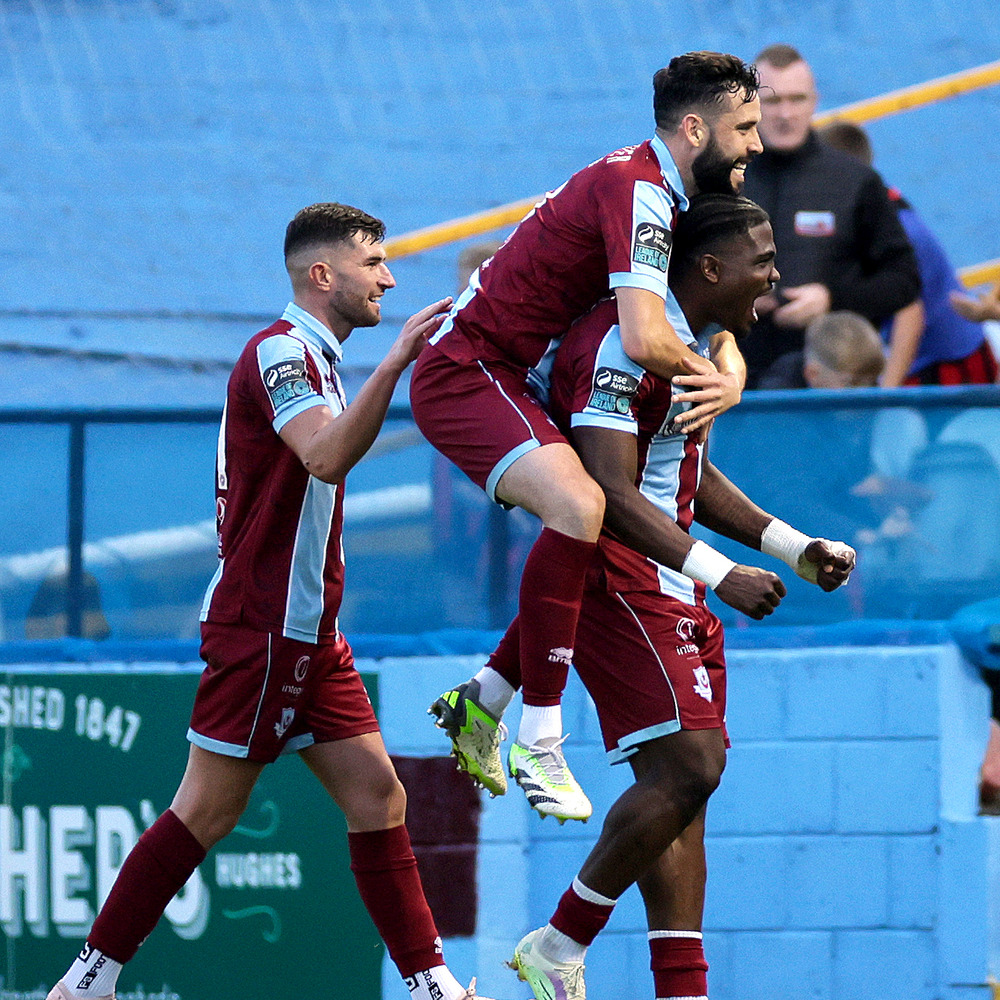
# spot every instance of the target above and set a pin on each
(839, 240)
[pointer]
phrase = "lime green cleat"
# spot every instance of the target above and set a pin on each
(548, 980)
(547, 782)
(475, 735)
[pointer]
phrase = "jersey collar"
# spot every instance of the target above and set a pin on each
(315, 332)
(670, 172)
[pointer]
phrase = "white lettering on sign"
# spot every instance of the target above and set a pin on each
(97, 722)
(258, 871)
(34, 707)
(56, 873)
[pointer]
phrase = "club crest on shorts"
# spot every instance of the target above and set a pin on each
(703, 683)
(287, 715)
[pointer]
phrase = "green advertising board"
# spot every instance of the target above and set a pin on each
(90, 759)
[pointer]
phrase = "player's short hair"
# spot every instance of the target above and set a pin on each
(709, 222)
(779, 55)
(329, 222)
(698, 81)
(849, 138)
(847, 344)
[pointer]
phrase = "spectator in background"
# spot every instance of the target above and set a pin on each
(979, 310)
(842, 350)
(929, 342)
(840, 242)
(470, 258)
(47, 617)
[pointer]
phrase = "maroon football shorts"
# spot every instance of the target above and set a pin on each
(653, 666)
(262, 695)
(480, 414)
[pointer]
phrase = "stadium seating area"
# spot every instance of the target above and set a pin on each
(155, 150)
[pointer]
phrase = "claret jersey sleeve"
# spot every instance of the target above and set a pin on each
(638, 204)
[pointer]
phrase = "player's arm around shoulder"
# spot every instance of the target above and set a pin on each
(648, 337)
(329, 445)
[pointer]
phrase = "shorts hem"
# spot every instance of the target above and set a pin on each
(297, 743)
(505, 463)
(217, 746)
(628, 745)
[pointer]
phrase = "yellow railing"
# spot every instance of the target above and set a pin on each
(986, 273)
(863, 111)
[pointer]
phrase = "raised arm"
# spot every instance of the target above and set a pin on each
(330, 446)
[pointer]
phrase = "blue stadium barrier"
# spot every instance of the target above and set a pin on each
(119, 504)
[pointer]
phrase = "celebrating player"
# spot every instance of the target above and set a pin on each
(280, 676)
(478, 391)
(649, 650)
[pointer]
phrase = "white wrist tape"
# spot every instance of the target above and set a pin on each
(705, 564)
(788, 544)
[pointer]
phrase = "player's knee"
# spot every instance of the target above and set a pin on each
(210, 823)
(576, 509)
(701, 775)
(381, 802)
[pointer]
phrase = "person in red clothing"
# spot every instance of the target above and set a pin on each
(279, 674)
(478, 392)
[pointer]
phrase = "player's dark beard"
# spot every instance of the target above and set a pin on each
(713, 172)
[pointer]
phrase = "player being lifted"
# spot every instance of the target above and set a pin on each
(649, 651)
(478, 391)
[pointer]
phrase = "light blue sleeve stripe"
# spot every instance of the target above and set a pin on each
(302, 404)
(280, 349)
(608, 420)
(629, 279)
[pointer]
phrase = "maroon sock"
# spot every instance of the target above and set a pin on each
(678, 965)
(155, 870)
(548, 610)
(506, 658)
(580, 919)
(386, 872)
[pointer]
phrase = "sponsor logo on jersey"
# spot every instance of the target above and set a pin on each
(651, 246)
(815, 223)
(613, 390)
(625, 153)
(703, 684)
(613, 380)
(560, 654)
(686, 629)
(285, 381)
(609, 402)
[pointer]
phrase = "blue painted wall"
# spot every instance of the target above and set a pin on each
(155, 150)
(846, 861)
